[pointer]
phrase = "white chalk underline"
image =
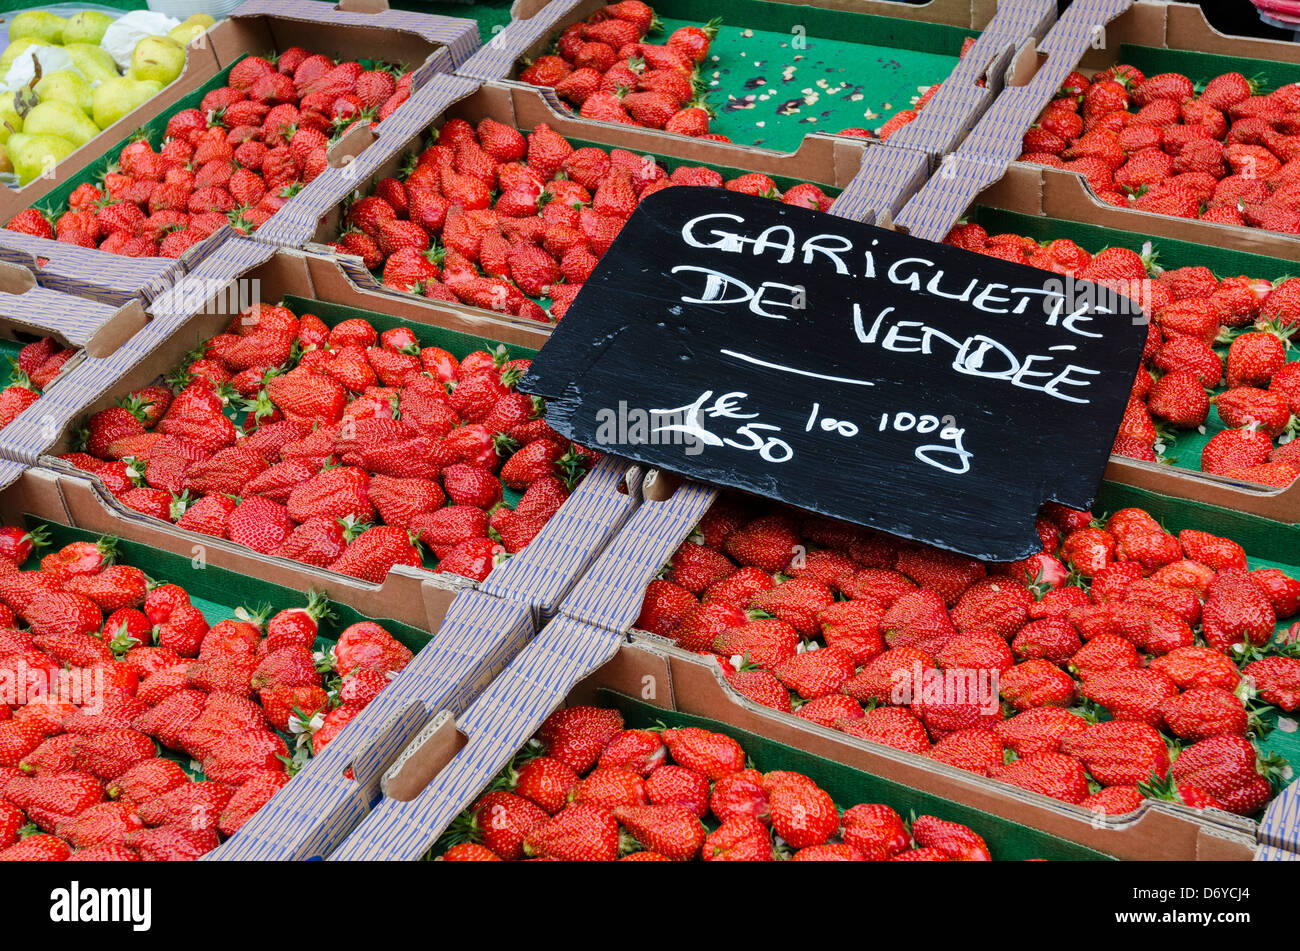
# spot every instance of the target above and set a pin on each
(786, 369)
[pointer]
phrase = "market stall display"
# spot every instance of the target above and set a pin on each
(579, 431)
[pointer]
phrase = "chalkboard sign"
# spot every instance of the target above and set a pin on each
(912, 387)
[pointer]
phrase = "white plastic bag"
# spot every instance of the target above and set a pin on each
(129, 29)
(24, 67)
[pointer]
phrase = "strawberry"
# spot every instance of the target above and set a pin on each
(918, 619)
(111, 753)
(1037, 683)
(545, 782)
(766, 643)
(813, 674)
(1050, 774)
(768, 542)
(712, 754)
(367, 645)
(1276, 681)
(1237, 611)
(1179, 397)
(763, 687)
(975, 750)
(1254, 357)
(260, 524)
(1115, 800)
(992, 604)
(1038, 730)
(172, 842)
(1234, 449)
(892, 726)
(826, 710)
(1202, 712)
(32, 222)
(875, 830)
(1229, 769)
(580, 832)
(799, 602)
(1119, 752)
(802, 814)
(37, 848)
(670, 830)
(502, 820)
(954, 840)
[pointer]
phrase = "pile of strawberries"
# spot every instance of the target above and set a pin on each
(1170, 636)
(1253, 386)
(38, 364)
(495, 219)
(588, 790)
(1225, 154)
(123, 678)
(358, 448)
(604, 68)
(236, 160)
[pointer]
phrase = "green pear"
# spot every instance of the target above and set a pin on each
(39, 25)
(88, 26)
(34, 155)
(96, 63)
(10, 120)
(66, 86)
(157, 58)
(62, 119)
(182, 35)
(14, 50)
(5, 164)
(114, 98)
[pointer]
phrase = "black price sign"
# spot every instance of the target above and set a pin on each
(912, 387)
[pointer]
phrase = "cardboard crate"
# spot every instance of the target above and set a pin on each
(199, 307)
(1092, 35)
(868, 177)
(28, 312)
(609, 597)
(898, 47)
(200, 65)
(1047, 204)
(429, 45)
(461, 639)
(573, 662)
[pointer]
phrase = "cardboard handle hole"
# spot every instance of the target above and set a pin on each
(432, 749)
(361, 6)
(1026, 65)
(126, 323)
(349, 148)
(659, 486)
(15, 279)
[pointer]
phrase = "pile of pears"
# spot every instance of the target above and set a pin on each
(44, 121)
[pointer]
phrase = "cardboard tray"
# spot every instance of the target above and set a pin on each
(1091, 35)
(609, 597)
(573, 662)
(911, 46)
(28, 312)
(429, 45)
(1046, 204)
(202, 305)
(873, 179)
(460, 639)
